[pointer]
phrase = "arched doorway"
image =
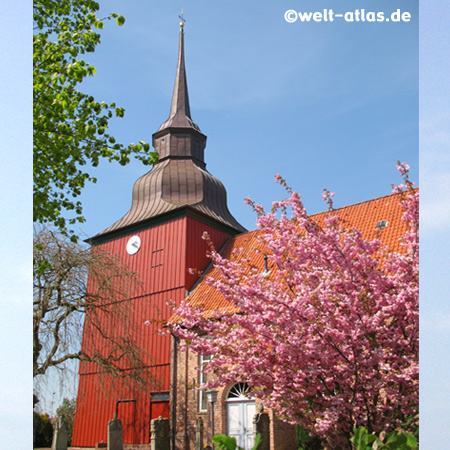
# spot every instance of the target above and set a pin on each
(240, 412)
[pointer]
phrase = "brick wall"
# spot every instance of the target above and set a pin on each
(185, 401)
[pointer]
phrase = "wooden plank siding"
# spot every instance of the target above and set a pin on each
(168, 250)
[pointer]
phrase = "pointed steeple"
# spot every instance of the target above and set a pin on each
(180, 97)
(179, 180)
(180, 111)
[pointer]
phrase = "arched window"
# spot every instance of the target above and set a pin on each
(239, 391)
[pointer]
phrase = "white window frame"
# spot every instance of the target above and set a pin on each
(202, 378)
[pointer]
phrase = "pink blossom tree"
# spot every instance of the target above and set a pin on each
(329, 339)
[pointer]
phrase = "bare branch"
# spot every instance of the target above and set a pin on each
(73, 284)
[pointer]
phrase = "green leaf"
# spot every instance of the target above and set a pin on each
(395, 439)
(399, 440)
(258, 441)
(120, 20)
(358, 437)
(411, 441)
(360, 440)
(224, 442)
(69, 133)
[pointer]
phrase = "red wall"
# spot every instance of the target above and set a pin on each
(97, 402)
(162, 263)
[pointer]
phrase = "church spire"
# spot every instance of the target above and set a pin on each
(180, 97)
(179, 180)
(180, 111)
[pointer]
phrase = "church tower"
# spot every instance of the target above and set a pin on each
(160, 239)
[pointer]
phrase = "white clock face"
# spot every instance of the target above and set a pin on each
(133, 245)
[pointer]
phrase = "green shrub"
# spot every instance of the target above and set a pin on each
(224, 442)
(395, 440)
(67, 409)
(305, 441)
(43, 430)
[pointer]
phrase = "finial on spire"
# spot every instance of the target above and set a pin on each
(182, 19)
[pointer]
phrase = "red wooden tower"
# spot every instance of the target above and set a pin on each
(160, 238)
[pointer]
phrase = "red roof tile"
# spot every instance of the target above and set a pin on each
(363, 216)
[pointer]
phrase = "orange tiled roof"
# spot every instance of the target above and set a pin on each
(362, 216)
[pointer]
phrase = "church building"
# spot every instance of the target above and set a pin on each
(160, 239)
(235, 412)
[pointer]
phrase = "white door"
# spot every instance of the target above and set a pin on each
(240, 412)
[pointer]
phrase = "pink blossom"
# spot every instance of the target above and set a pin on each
(403, 168)
(330, 339)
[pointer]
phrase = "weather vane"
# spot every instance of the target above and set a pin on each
(182, 19)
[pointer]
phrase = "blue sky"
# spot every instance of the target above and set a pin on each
(435, 224)
(325, 105)
(330, 105)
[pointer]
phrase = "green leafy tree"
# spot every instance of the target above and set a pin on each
(67, 410)
(70, 127)
(43, 430)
